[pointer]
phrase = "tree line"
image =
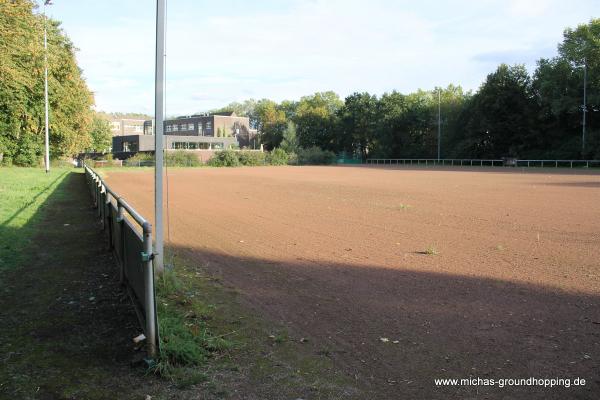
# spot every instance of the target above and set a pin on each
(512, 114)
(22, 88)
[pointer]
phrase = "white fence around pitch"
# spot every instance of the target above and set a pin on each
(485, 162)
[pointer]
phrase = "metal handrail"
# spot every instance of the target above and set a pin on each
(151, 327)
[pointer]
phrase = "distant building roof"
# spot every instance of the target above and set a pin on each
(226, 114)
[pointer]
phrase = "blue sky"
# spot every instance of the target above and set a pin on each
(231, 50)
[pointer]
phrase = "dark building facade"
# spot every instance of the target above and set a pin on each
(197, 132)
(219, 125)
(130, 144)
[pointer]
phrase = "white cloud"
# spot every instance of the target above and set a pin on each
(215, 56)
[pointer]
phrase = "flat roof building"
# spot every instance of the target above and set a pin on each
(196, 132)
(126, 126)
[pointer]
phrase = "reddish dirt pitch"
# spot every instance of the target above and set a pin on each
(339, 255)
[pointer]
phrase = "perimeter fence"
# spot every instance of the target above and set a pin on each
(130, 239)
(486, 162)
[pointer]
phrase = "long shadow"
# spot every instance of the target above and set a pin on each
(65, 328)
(396, 331)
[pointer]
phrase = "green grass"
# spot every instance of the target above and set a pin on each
(23, 191)
(209, 340)
(186, 341)
(432, 251)
(58, 344)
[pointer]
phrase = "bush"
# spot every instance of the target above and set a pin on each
(278, 157)
(61, 163)
(140, 159)
(181, 158)
(251, 158)
(293, 159)
(315, 156)
(224, 158)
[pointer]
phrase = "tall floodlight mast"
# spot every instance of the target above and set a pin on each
(159, 95)
(584, 108)
(439, 124)
(47, 136)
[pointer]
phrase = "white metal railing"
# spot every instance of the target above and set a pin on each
(133, 251)
(485, 162)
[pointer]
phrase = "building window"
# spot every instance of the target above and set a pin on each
(200, 129)
(190, 127)
(208, 126)
(169, 128)
(175, 127)
(125, 146)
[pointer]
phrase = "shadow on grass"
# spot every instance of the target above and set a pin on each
(396, 330)
(65, 327)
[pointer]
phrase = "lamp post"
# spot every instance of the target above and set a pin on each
(47, 136)
(439, 149)
(584, 107)
(159, 81)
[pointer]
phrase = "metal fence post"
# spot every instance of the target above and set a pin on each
(121, 244)
(149, 290)
(103, 197)
(108, 220)
(95, 191)
(98, 197)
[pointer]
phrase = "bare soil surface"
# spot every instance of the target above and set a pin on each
(403, 276)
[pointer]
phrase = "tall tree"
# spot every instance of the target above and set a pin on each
(22, 88)
(101, 134)
(315, 118)
(358, 121)
(558, 84)
(501, 115)
(289, 142)
(271, 123)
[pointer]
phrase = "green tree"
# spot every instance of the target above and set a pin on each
(271, 123)
(393, 138)
(22, 88)
(358, 121)
(502, 115)
(316, 120)
(558, 84)
(101, 134)
(289, 143)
